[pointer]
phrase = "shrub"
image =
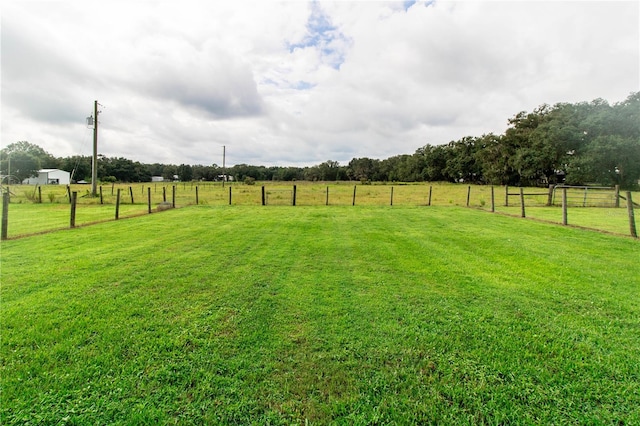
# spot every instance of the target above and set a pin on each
(31, 196)
(249, 181)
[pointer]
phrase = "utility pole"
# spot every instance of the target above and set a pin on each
(224, 170)
(94, 160)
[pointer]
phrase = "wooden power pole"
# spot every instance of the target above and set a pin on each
(224, 169)
(94, 160)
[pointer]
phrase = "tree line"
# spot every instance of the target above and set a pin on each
(580, 143)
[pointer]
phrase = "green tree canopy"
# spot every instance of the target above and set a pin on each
(22, 160)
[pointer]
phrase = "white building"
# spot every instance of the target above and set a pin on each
(50, 177)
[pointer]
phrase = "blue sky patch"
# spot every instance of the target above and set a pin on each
(324, 36)
(408, 3)
(303, 85)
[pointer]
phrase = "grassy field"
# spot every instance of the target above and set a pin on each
(320, 315)
(28, 217)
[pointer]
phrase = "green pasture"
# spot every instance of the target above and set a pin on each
(320, 315)
(28, 216)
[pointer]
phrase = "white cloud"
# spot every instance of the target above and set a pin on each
(293, 83)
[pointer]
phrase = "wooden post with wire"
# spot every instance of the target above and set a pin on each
(632, 220)
(493, 200)
(564, 207)
(5, 215)
(118, 204)
(74, 199)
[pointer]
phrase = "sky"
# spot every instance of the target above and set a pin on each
(298, 83)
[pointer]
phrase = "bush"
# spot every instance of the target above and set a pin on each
(249, 181)
(31, 195)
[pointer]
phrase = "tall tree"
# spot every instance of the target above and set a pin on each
(78, 165)
(434, 160)
(23, 160)
(363, 169)
(185, 172)
(462, 165)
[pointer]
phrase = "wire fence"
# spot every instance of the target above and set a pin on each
(35, 209)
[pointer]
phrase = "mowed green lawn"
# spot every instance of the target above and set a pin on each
(320, 315)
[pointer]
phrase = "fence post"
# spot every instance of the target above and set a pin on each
(173, 196)
(326, 203)
(74, 199)
(197, 200)
(149, 199)
(392, 195)
(69, 193)
(550, 196)
(112, 186)
(5, 215)
(430, 190)
(101, 200)
(632, 219)
(164, 194)
(617, 196)
(564, 206)
(353, 203)
(294, 195)
(264, 200)
(468, 195)
(39, 194)
(229, 192)
(118, 204)
(493, 200)
(131, 193)
(522, 202)
(506, 195)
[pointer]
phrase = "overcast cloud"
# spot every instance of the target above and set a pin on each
(299, 83)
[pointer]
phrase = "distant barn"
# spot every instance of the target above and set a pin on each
(49, 177)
